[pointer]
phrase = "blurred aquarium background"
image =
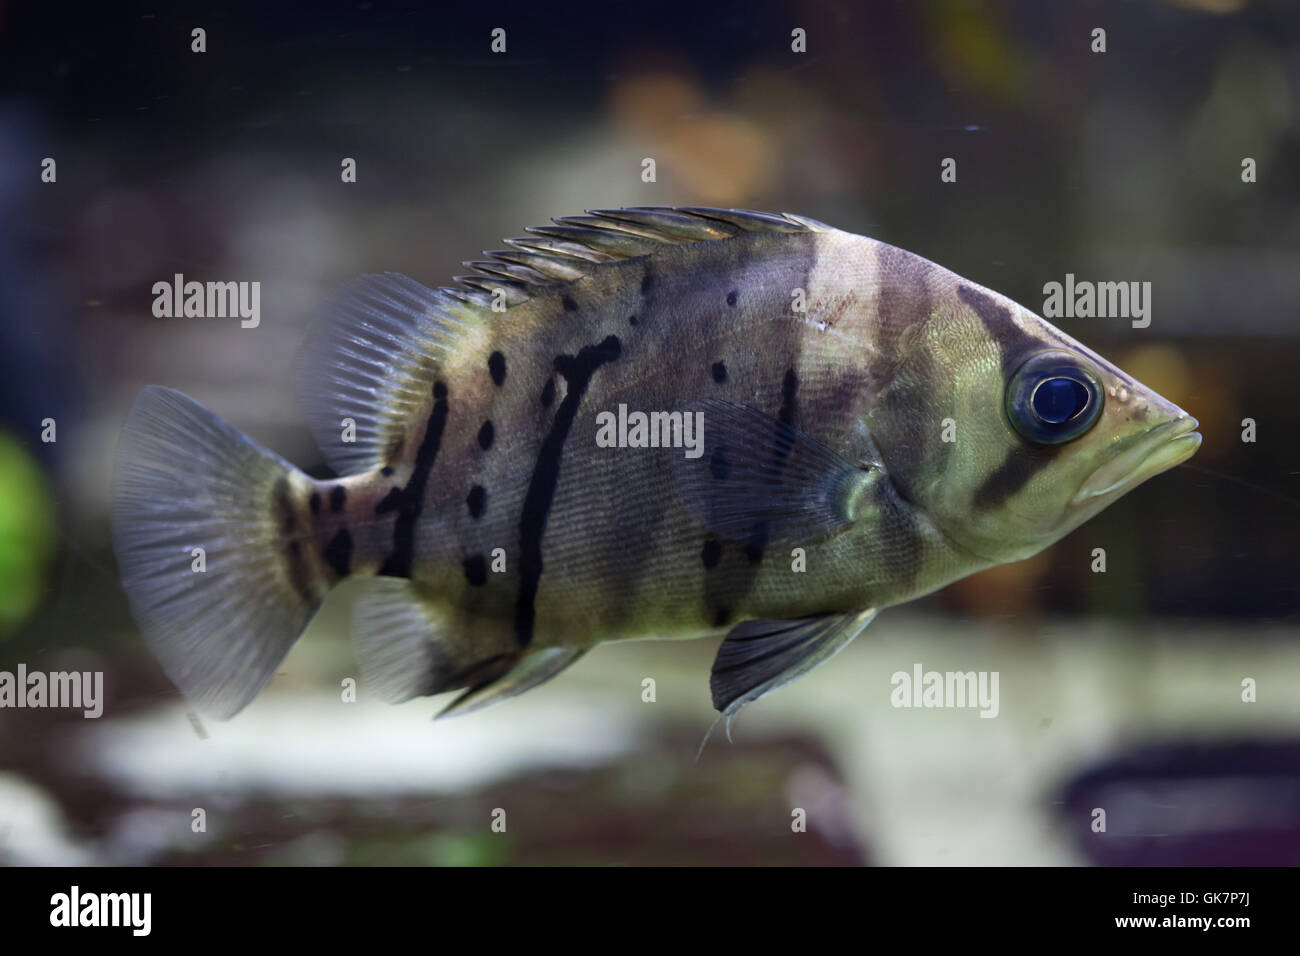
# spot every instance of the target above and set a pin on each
(1121, 690)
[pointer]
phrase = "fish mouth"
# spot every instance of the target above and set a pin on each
(1160, 449)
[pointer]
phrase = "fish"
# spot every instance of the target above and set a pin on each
(839, 426)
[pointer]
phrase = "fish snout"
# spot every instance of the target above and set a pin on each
(1169, 442)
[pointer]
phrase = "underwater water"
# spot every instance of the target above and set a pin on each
(1161, 686)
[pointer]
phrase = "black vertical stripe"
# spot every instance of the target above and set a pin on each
(298, 571)
(338, 553)
(789, 397)
(1019, 465)
(282, 503)
(905, 305)
(283, 506)
(727, 589)
(1012, 341)
(408, 501)
(577, 371)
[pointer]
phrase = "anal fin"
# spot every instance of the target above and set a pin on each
(535, 667)
(406, 649)
(759, 657)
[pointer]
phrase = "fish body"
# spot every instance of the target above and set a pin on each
(869, 427)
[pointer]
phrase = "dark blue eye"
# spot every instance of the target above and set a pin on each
(1054, 397)
(1057, 400)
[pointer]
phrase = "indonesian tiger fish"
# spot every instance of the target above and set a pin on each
(644, 422)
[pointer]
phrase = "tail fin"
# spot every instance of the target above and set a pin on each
(220, 621)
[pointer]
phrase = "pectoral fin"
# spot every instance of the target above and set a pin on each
(758, 472)
(759, 657)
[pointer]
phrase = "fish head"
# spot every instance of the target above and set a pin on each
(1010, 434)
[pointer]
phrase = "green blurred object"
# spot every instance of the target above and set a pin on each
(26, 533)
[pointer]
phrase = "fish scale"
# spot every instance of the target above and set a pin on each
(870, 433)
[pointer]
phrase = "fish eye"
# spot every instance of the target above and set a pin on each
(1054, 397)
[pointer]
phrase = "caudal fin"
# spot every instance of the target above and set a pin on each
(219, 620)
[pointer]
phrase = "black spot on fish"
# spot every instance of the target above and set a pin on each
(719, 467)
(476, 501)
(338, 553)
(647, 283)
(577, 371)
(789, 391)
(409, 500)
(314, 501)
(338, 498)
(731, 298)
(631, 320)
(497, 368)
(1014, 473)
(548, 393)
(485, 435)
(569, 304)
(711, 553)
(722, 616)
(719, 372)
(386, 470)
(476, 570)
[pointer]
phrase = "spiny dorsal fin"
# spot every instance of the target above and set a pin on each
(575, 245)
(383, 338)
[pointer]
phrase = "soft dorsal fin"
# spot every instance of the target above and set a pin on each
(370, 365)
(379, 344)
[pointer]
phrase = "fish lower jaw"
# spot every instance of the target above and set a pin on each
(1165, 446)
